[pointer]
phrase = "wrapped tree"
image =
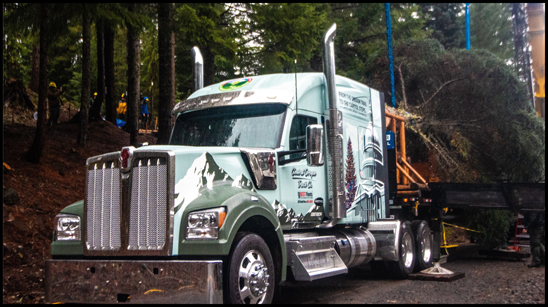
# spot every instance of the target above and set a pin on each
(350, 177)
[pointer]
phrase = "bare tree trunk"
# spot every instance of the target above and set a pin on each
(95, 111)
(35, 152)
(133, 78)
(110, 101)
(85, 98)
(209, 67)
(166, 62)
(35, 72)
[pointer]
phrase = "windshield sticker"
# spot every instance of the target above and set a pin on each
(234, 84)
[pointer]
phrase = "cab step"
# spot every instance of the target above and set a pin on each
(312, 258)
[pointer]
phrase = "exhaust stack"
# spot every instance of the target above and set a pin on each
(198, 68)
(335, 138)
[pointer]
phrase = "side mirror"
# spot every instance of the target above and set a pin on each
(314, 145)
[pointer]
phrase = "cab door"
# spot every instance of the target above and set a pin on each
(300, 185)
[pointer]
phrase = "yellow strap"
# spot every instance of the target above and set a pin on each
(461, 227)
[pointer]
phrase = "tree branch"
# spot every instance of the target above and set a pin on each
(437, 91)
(402, 87)
(364, 39)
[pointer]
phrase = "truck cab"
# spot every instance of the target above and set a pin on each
(265, 179)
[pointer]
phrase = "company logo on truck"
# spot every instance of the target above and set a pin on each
(302, 174)
(304, 197)
(234, 84)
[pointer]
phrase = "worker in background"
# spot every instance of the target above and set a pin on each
(534, 221)
(144, 113)
(92, 100)
(122, 108)
(54, 103)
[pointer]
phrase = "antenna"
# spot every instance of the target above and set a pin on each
(296, 108)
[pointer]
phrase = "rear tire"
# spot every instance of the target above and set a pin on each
(406, 253)
(423, 245)
(251, 275)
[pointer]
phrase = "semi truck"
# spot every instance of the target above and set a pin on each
(266, 180)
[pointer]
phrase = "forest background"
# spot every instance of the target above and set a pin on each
(471, 108)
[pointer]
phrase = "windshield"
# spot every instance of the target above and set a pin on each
(231, 126)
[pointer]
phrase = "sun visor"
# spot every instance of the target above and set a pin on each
(233, 98)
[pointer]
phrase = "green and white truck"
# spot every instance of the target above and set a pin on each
(266, 179)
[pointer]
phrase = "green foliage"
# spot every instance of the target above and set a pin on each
(491, 29)
(288, 31)
(18, 58)
(493, 226)
(446, 20)
(212, 28)
(470, 107)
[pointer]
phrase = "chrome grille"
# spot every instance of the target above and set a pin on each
(148, 204)
(103, 206)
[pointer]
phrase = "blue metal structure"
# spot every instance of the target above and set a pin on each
(467, 26)
(390, 58)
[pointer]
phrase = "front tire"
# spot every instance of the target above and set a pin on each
(404, 266)
(423, 245)
(251, 275)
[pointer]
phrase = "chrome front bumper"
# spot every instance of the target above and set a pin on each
(113, 281)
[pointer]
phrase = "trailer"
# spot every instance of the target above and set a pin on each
(266, 180)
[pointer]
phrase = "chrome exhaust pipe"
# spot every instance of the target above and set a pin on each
(335, 141)
(198, 68)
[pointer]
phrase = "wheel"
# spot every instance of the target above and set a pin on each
(251, 272)
(404, 266)
(423, 245)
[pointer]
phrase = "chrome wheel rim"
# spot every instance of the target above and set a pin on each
(426, 249)
(407, 250)
(253, 278)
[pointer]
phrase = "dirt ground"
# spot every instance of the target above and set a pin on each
(487, 281)
(44, 189)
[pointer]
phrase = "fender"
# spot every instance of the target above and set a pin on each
(241, 205)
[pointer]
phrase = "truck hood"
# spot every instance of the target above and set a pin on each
(201, 167)
(197, 171)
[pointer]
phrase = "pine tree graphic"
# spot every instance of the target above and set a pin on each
(350, 176)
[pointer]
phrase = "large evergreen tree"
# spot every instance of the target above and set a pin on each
(167, 77)
(446, 20)
(469, 107)
(95, 110)
(85, 97)
(350, 177)
(35, 152)
(491, 29)
(133, 76)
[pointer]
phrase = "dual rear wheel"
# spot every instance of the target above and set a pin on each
(414, 252)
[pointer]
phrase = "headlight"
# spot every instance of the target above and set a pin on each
(67, 227)
(205, 224)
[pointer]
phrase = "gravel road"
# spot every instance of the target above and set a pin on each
(487, 281)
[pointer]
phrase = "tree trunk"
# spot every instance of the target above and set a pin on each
(133, 78)
(209, 67)
(35, 72)
(166, 62)
(85, 98)
(95, 111)
(35, 152)
(110, 101)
